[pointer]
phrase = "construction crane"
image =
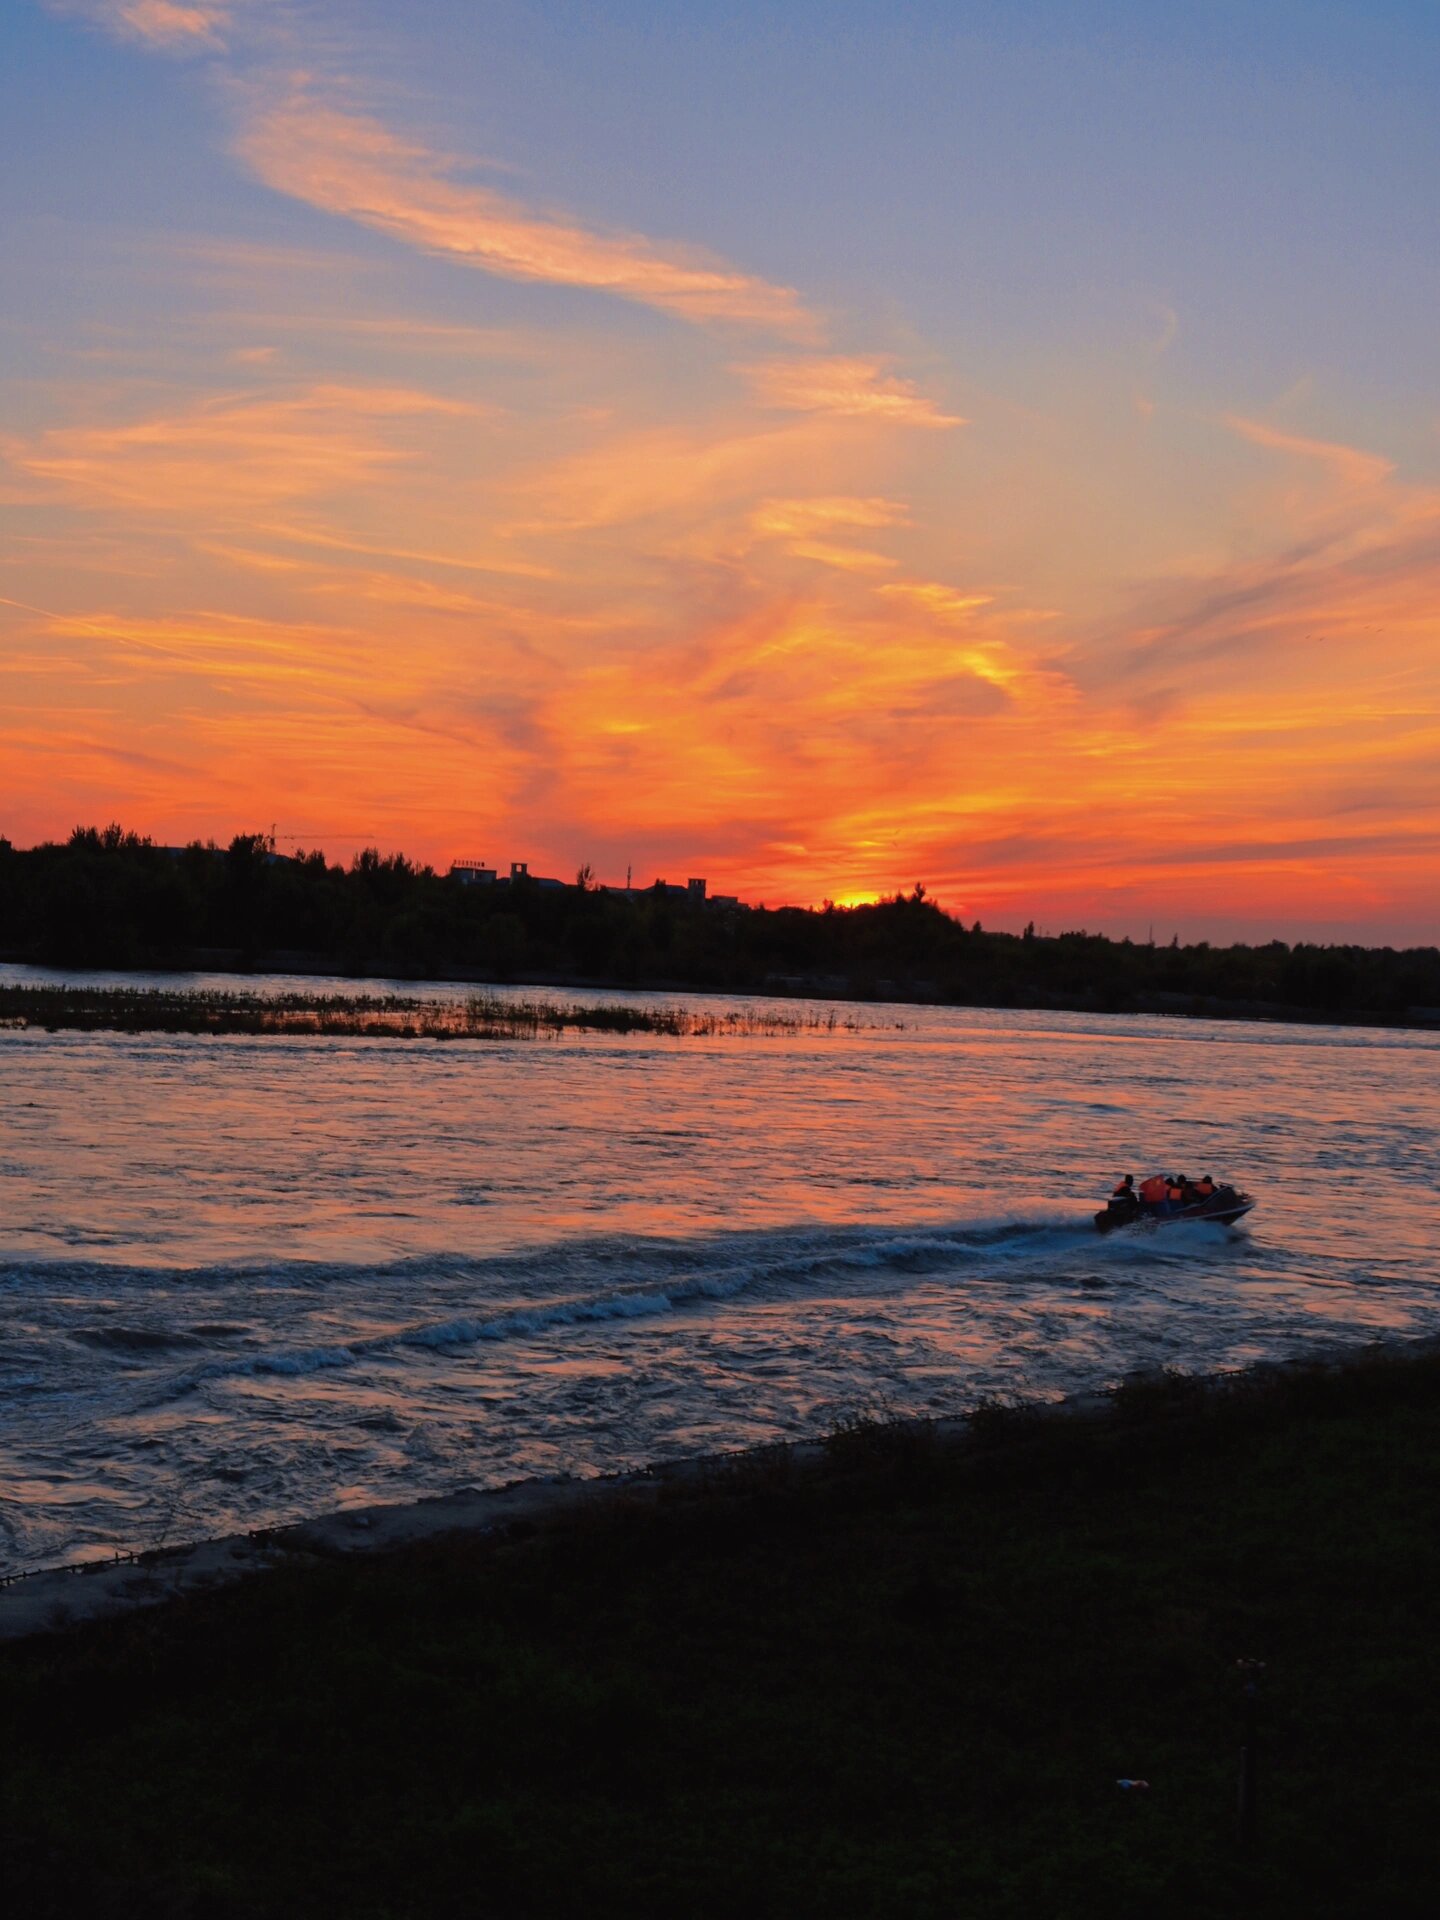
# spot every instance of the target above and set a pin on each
(367, 838)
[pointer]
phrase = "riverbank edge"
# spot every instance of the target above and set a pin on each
(826, 988)
(1143, 1403)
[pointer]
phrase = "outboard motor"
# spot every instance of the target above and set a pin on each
(1119, 1212)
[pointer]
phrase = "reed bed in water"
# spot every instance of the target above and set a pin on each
(480, 1016)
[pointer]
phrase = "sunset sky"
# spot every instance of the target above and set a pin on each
(816, 446)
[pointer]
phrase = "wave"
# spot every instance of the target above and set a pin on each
(135, 1339)
(574, 1284)
(844, 1243)
(533, 1293)
(516, 1323)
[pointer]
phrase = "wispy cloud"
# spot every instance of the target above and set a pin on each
(230, 452)
(470, 562)
(1350, 464)
(169, 26)
(701, 469)
(854, 386)
(809, 528)
(352, 165)
(164, 23)
(798, 519)
(929, 596)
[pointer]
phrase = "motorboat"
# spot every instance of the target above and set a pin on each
(1224, 1207)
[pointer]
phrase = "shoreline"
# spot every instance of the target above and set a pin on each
(1150, 1004)
(81, 1593)
(1003, 1674)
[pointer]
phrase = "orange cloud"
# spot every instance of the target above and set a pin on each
(797, 519)
(853, 386)
(800, 525)
(222, 647)
(355, 734)
(846, 559)
(169, 26)
(1350, 464)
(668, 472)
(351, 165)
(236, 451)
(930, 597)
(165, 23)
(331, 542)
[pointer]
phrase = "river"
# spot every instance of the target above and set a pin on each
(250, 1279)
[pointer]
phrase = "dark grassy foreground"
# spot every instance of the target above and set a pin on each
(905, 1687)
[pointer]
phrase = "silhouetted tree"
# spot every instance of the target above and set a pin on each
(108, 897)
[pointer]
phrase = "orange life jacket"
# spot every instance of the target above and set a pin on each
(1153, 1189)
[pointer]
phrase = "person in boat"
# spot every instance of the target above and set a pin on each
(1174, 1193)
(1204, 1187)
(1124, 1200)
(1152, 1192)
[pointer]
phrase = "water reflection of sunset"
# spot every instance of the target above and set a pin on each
(282, 1273)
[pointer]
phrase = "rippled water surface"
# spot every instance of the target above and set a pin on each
(246, 1279)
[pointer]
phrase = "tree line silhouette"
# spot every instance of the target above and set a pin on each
(109, 898)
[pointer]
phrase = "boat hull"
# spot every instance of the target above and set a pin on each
(1224, 1215)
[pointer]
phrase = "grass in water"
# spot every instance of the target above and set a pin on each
(480, 1016)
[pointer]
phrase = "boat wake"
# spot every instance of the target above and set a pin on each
(162, 1333)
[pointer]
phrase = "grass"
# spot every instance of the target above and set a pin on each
(906, 1685)
(479, 1016)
